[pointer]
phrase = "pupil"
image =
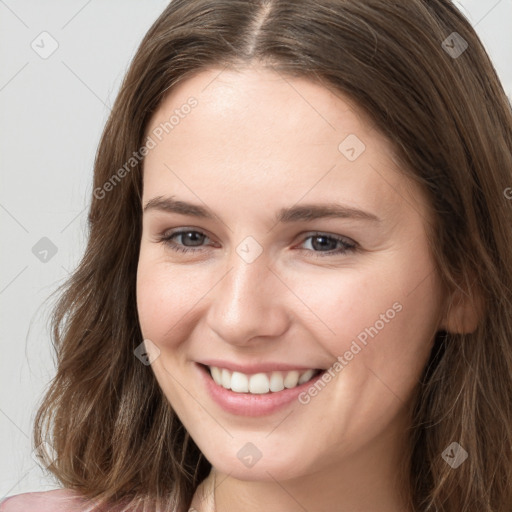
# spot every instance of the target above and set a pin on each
(322, 245)
(193, 236)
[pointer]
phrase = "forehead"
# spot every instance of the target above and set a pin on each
(260, 133)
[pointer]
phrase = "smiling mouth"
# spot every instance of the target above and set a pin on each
(260, 383)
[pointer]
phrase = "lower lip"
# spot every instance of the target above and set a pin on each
(247, 404)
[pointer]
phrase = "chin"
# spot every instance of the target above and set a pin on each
(266, 469)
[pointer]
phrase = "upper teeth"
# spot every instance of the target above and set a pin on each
(259, 382)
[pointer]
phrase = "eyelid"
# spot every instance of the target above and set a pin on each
(348, 245)
(327, 234)
(183, 229)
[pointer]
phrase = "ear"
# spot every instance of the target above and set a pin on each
(464, 312)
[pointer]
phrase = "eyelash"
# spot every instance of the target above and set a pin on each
(347, 247)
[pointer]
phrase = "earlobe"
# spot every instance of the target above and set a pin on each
(463, 313)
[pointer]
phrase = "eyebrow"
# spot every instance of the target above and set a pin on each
(296, 213)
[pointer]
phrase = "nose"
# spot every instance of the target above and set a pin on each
(249, 302)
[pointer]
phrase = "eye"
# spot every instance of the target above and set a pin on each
(188, 240)
(323, 244)
(320, 244)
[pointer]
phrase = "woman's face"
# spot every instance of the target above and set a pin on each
(279, 235)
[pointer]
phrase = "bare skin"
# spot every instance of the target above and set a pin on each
(254, 144)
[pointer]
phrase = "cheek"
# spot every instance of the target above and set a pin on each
(386, 308)
(342, 303)
(167, 299)
(382, 318)
(157, 303)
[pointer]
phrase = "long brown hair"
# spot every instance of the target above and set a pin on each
(419, 71)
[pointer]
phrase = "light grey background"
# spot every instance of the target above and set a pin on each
(52, 113)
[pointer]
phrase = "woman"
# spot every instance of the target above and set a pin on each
(296, 293)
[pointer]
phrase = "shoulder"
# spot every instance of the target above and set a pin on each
(58, 500)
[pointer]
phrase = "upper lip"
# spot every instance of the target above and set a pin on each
(250, 369)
